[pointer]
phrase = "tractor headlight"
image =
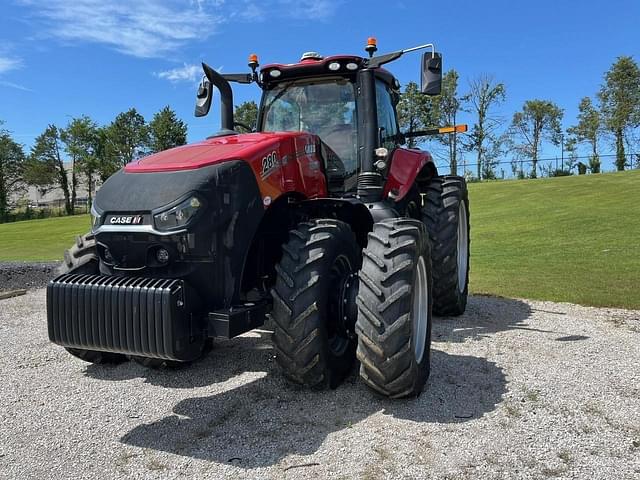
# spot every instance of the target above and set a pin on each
(95, 217)
(177, 216)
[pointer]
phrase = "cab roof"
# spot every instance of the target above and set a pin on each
(347, 65)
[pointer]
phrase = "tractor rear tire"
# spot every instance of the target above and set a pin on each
(446, 215)
(82, 258)
(394, 309)
(313, 346)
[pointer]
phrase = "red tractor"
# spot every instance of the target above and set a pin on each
(319, 220)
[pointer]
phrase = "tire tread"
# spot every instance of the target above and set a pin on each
(384, 327)
(440, 215)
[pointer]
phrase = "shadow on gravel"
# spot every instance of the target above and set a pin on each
(484, 316)
(227, 359)
(265, 420)
(261, 422)
(571, 338)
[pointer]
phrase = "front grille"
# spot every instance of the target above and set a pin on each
(137, 316)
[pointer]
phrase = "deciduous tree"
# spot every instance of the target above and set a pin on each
(166, 131)
(46, 166)
(80, 140)
(445, 109)
(12, 160)
(538, 120)
(484, 94)
(247, 114)
(588, 129)
(620, 101)
(414, 112)
(127, 138)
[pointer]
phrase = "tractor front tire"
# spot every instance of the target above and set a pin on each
(157, 363)
(446, 215)
(394, 309)
(319, 262)
(82, 258)
(93, 356)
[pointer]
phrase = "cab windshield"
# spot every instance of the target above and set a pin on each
(326, 108)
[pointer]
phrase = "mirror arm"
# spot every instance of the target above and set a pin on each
(420, 47)
(390, 57)
(238, 77)
(376, 62)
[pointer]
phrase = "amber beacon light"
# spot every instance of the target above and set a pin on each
(372, 46)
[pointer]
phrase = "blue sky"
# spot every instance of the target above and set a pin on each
(67, 58)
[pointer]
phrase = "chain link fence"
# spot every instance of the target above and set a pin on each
(546, 167)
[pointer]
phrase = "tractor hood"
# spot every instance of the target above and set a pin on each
(209, 152)
(272, 159)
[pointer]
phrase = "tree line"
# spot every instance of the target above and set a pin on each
(93, 152)
(612, 116)
(96, 152)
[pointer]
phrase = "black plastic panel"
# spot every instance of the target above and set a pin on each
(137, 316)
(237, 320)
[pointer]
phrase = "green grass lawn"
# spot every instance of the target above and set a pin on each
(571, 239)
(41, 239)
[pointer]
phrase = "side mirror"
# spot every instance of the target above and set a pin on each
(204, 97)
(431, 73)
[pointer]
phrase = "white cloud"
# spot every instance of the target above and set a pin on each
(186, 73)
(9, 63)
(258, 11)
(253, 12)
(17, 86)
(142, 28)
(309, 9)
(154, 28)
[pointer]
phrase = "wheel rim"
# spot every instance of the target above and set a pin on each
(420, 312)
(463, 247)
(337, 336)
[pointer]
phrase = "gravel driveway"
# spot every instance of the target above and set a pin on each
(518, 389)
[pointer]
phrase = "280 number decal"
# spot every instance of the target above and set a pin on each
(269, 164)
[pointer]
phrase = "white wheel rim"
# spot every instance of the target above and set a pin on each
(463, 247)
(420, 312)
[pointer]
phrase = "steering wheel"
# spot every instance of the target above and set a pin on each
(243, 125)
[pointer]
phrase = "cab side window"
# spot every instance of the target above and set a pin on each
(387, 123)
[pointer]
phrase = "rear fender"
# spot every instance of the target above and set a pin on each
(408, 166)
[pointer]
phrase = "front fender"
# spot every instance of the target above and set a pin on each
(407, 165)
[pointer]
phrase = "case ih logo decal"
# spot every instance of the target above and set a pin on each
(310, 148)
(269, 164)
(126, 220)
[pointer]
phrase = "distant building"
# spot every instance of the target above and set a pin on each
(53, 198)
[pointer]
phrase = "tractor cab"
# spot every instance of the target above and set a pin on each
(320, 96)
(324, 104)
